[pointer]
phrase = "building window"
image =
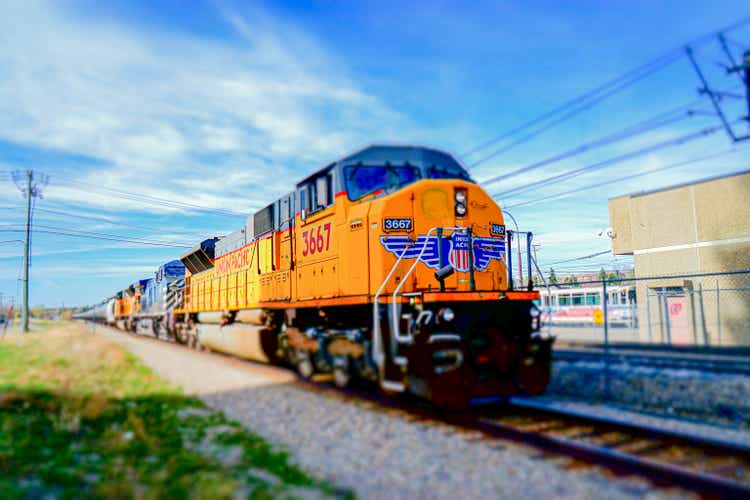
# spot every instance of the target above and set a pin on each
(592, 299)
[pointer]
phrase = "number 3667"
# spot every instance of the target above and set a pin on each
(317, 239)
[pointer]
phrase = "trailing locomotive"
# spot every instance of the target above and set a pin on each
(387, 265)
(146, 304)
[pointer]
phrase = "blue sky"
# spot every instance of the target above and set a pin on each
(226, 104)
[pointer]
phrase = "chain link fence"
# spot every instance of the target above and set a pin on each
(673, 345)
(707, 310)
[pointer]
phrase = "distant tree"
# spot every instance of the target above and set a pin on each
(552, 277)
(602, 274)
(571, 280)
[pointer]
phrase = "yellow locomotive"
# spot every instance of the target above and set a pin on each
(387, 265)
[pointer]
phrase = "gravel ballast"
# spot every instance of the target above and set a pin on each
(374, 452)
(719, 397)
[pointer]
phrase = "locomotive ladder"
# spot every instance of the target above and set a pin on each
(377, 345)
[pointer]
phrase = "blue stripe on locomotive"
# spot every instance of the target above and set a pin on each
(159, 291)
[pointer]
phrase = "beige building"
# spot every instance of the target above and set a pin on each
(697, 228)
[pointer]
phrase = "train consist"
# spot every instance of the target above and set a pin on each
(146, 304)
(388, 265)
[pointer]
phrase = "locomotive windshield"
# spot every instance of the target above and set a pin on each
(363, 180)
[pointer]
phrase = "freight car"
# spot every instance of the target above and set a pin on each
(104, 312)
(388, 265)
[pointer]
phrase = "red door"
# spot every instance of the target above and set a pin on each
(679, 326)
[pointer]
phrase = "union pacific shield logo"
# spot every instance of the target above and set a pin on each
(459, 252)
(455, 250)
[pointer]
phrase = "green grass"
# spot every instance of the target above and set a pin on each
(80, 417)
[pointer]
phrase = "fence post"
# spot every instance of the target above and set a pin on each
(509, 257)
(648, 315)
(607, 392)
(706, 339)
(718, 312)
(666, 317)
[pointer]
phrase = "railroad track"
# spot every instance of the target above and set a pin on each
(715, 363)
(712, 468)
(707, 466)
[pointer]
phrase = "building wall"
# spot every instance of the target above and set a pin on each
(702, 227)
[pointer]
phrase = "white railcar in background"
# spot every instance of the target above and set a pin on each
(582, 305)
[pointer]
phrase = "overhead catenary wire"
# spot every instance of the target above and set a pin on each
(642, 70)
(625, 178)
(676, 141)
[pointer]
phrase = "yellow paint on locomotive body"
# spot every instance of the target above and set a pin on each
(125, 306)
(336, 256)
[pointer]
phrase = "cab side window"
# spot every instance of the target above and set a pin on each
(323, 191)
(317, 193)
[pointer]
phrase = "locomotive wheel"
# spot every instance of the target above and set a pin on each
(157, 327)
(181, 337)
(533, 377)
(305, 367)
(342, 375)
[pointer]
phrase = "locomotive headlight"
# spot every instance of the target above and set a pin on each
(460, 197)
(446, 314)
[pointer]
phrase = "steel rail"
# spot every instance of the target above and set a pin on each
(714, 363)
(660, 473)
(642, 429)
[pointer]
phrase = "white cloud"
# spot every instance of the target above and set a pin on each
(175, 115)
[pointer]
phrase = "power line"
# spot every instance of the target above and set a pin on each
(565, 117)
(624, 178)
(677, 141)
(590, 256)
(580, 100)
(96, 233)
(100, 236)
(154, 200)
(605, 90)
(655, 122)
(101, 219)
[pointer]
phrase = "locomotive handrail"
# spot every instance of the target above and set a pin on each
(378, 354)
(405, 339)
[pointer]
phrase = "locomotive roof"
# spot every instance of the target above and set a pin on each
(395, 154)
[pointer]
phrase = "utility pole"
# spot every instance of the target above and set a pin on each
(31, 186)
(27, 238)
